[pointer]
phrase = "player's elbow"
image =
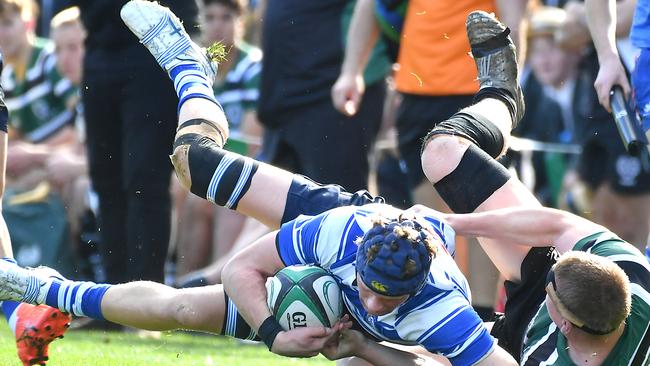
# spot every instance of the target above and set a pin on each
(229, 272)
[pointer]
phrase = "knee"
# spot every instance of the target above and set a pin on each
(441, 154)
(181, 165)
(184, 312)
(191, 133)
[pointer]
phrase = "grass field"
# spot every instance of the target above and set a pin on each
(98, 348)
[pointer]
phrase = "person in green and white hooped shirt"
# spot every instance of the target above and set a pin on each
(236, 88)
(40, 101)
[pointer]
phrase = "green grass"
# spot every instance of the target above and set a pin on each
(97, 348)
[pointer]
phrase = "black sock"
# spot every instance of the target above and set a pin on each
(500, 94)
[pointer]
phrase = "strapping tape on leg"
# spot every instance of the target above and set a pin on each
(473, 127)
(475, 179)
(220, 176)
(206, 132)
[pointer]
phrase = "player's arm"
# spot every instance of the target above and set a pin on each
(497, 357)
(536, 226)
(513, 14)
(244, 279)
(362, 36)
(353, 343)
(601, 18)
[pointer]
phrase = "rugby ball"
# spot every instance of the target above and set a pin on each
(304, 296)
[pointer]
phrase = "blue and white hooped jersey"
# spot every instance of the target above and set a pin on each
(439, 317)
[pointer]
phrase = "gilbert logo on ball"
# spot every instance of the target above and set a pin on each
(303, 296)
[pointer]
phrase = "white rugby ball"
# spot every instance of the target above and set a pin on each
(304, 296)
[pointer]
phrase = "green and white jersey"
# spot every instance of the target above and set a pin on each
(546, 345)
(239, 91)
(37, 104)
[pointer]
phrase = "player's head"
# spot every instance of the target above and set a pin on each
(221, 21)
(587, 292)
(393, 262)
(17, 21)
(68, 35)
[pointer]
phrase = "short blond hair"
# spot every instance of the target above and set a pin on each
(67, 17)
(28, 9)
(545, 21)
(593, 288)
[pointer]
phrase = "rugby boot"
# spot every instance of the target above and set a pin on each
(28, 285)
(495, 56)
(163, 34)
(36, 327)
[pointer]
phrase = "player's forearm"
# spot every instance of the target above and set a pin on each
(361, 38)
(246, 288)
(513, 14)
(380, 355)
(601, 18)
(524, 226)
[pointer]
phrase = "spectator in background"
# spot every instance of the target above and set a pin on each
(205, 233)
(44, 145)
(130, 124)
(303, 44)
(621, 189)
(602, 18)
(49, 8)
(27, 322)
(68, 170)
(40, 100)
(549, 90)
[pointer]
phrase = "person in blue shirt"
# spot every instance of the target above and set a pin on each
(396, 271)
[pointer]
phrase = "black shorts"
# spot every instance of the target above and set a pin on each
(306, 197)
(523, 299)
(318, 141)
(416, 116)
(604, 159)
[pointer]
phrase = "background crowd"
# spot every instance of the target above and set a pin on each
(341, 91)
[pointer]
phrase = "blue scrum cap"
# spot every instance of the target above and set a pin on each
(394, 257)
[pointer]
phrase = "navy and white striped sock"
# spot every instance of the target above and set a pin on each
(190, 81)
(82, 298)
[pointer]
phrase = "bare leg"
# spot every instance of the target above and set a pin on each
(626, 215)
(153, 306)
(228, 225)
(194, 234)
(432, 359)
(442, 155)
(266, 198)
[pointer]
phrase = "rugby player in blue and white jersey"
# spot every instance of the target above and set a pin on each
(400, 283)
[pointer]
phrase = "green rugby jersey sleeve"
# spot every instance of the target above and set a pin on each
(251, 80)
(62, 88)
(625, 255)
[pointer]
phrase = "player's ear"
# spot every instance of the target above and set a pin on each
(566, 327)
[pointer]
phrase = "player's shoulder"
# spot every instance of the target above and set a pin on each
(607, 244)
(625, 255)
(356, 218)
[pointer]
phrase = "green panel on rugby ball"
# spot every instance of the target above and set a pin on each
(304, 295)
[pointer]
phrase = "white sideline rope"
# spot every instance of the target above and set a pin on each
(519, 144)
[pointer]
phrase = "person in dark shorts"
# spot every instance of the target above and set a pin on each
(303, 43)
(611, 72)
